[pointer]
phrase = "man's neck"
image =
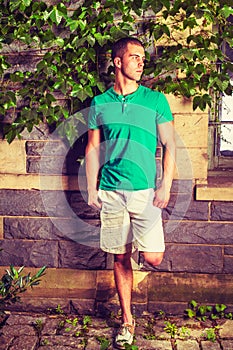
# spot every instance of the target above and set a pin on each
(125, 89)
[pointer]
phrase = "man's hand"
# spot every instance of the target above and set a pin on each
(161, 198)
(93, 199)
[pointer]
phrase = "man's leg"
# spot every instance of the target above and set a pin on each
(123, 275)
(153, 259)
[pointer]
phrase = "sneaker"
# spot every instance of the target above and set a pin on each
(125, 335)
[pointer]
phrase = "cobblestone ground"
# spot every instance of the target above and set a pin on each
(21, 331)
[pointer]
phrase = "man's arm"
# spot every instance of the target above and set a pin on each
(92, 167)
(167, 138)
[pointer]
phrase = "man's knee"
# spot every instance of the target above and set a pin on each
(153, 259)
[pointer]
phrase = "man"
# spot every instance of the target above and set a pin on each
(129, 115)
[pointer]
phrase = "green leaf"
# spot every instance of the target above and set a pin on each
(226, 11)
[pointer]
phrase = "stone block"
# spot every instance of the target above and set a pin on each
(197, 232)
(191, 130)
(194, 258)
(187, 344)
(228, 250)
(226, 330)
(46, 148)
(45, 203)
(154, 344)
(222, 211)
(228, 264)
(77, 230)
(1, 228)
(46, 165)
(12, 157)
(29, 253)
(183, 207)
(227, 344)
(182, 186)
(21, 202)
(78, 256)
(178, 288)
(191, 163)
(209, 345)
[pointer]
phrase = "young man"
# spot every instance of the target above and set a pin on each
(129, 116)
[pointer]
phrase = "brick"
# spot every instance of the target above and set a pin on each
(183, 207)
(222, 211)
(199, 233)
(74, 255)
(28, 253)
(1, 228)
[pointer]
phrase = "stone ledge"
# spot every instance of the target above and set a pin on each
(219, 187)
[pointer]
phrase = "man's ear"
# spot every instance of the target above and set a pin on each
(117, 62)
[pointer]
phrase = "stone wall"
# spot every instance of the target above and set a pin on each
(45, 220)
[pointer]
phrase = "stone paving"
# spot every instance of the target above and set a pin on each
(22, 331)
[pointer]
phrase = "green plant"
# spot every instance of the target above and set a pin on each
(171, 328)
(204, 312)
(71, 44)
(14, 282)
(104, 342)
(211, 333)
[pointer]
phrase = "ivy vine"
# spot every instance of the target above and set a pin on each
(69, 42)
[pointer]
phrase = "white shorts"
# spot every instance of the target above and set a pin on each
(130, 218)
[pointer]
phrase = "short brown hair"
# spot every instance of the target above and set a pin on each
(120, 46)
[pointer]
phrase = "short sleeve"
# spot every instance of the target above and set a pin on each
(93, 116)
(163, 110)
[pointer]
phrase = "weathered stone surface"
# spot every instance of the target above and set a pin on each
(182, 186)
(47, 148)
(187, 344)
(28, 253)
(46, 165)
(209, 345)
(183, 207)
(199, 233)
(183, 287)
(12, 157)
(86, 232)
(153, 344)
(222, 211)
(228, 250)
(18, 330)
(74, 255)
(45, 203)
(21, 202)
(226, 330)
(228, 264)
(227, 344)
(191, 258)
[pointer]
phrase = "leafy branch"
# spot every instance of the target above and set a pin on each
(14, 282)
(69, 44)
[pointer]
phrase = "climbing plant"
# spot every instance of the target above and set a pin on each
(185, 42)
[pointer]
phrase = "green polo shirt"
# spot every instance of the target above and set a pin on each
(129, 125)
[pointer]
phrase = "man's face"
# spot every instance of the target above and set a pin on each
(132, 62)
